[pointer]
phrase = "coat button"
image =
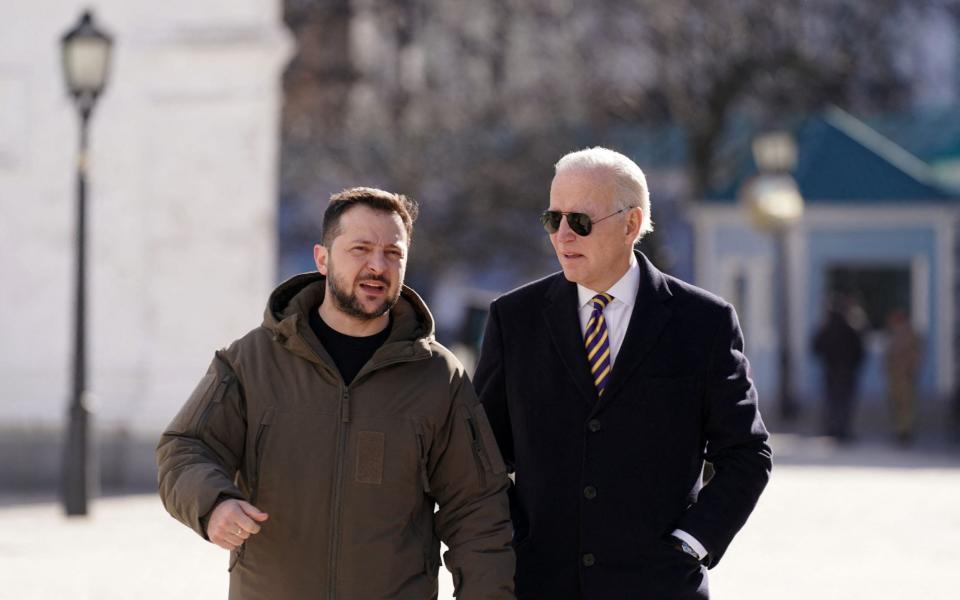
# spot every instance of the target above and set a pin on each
(593, 425)
(589, 492)
(589, 560)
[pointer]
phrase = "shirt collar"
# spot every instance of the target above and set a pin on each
(624, 290)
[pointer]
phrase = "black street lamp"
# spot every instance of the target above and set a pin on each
(86, 59)
(775, 205)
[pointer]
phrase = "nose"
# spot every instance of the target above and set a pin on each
(377, 262)
(564, 233)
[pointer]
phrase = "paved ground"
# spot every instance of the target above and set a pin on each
(850, 523)
(835, 523)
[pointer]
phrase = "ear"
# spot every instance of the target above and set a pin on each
(320, 258)
(634, 221)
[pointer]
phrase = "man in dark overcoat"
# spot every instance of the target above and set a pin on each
(838, 343)
(608, 386)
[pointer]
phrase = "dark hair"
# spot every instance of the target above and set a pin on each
(376, 199)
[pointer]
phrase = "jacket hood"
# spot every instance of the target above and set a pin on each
(287, 317)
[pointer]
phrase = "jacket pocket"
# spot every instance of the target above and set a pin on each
(235, 557)
(432, 557)
(457, 577)
(259, 445)
(216, 397)
(423, 457)
(428, 538)
(429, 542)
(210, 390)
(186, 419)
(485, 450)
(477, 450)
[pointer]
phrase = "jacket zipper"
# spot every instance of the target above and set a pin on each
(428, 536)
(424, 460)
(477, 450)
(335, 507)
(258, 444)
(217, 397)
(338, 467)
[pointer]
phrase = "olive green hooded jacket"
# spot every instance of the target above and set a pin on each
(349, 474)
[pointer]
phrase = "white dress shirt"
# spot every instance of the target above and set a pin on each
(617, 316)
(617, 313)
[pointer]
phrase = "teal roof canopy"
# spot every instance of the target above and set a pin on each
(840, 159)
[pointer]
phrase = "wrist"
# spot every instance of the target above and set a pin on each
(684, 547)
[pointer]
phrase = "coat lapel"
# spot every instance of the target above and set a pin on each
(563, 323)
(650, 316)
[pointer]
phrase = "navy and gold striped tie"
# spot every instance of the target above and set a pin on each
(598, 343)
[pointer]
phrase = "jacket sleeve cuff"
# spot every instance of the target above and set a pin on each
(202, 519)
(694, 542)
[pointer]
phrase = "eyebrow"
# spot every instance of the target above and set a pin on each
(366, 242)
(570, 212)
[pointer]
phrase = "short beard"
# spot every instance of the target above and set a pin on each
(348, 302)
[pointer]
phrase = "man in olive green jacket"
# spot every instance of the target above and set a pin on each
(316, 446)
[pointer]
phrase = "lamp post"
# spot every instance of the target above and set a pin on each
(774, 204)
(86, 58)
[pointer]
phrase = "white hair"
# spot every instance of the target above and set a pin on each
(628, 178)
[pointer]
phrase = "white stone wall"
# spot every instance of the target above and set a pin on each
(182, 203)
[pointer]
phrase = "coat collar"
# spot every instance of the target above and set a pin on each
(564, 327)
(649, 317)
(286, 317)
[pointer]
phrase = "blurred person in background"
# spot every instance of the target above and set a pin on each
(317, 447)
(608, 385)
(902, 366)
(838, 343)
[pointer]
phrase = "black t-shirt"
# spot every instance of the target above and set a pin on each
(348, 352)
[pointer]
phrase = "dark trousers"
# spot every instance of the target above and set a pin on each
(838, 410)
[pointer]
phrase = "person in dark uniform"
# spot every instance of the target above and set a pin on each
(839, 346)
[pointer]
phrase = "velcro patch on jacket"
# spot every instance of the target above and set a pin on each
(370, 446)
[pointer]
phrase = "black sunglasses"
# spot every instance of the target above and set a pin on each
(580, 223)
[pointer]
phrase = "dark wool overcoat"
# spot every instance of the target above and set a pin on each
(601, 483)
